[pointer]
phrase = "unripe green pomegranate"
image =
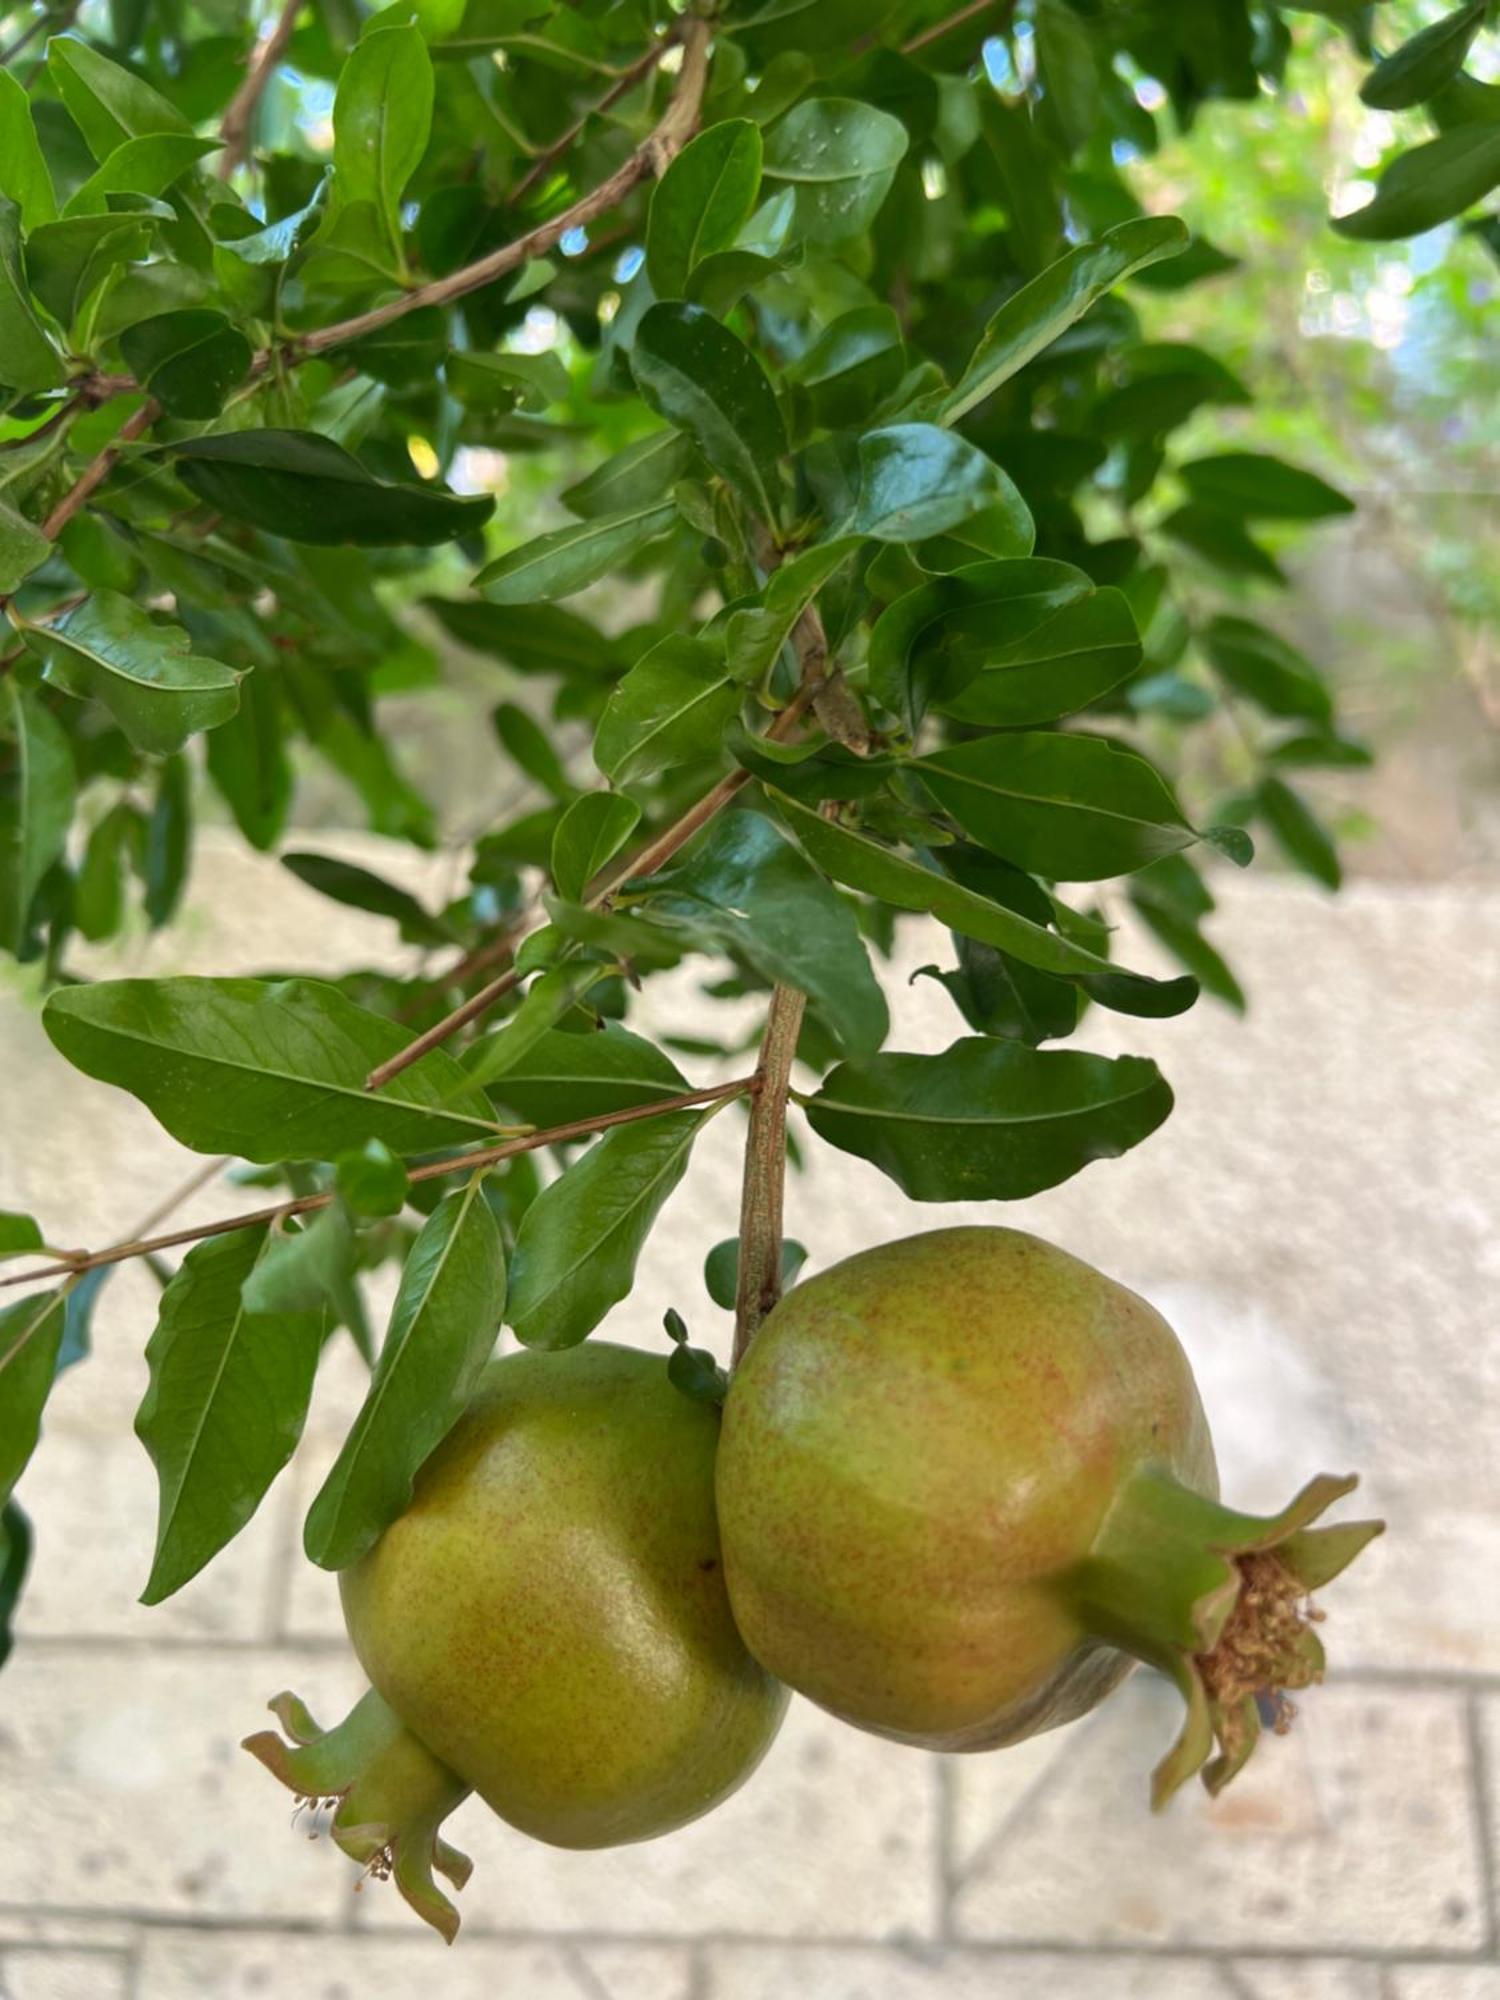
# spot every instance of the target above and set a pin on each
(965, 1481)
(546, 1625)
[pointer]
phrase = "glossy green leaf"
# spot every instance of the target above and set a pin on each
(578, 1243)
(563, 1077)
(28, 360)
(531, 748)
(589, 836)
(31, 1332)
(634, 477)
(1040, 311)
(23, 548)
(309, 489)
(671, 708)
(1257, 487)
(500, 381)
(1262, 666)
(1428, 185)
(371, 1181)
(382, 115)
(442, 1331)
(1299, 832)
(110, 651)
(36, 802)
(1070, 808)
(225, 1405)
(19, 1234)
(360, 889)
(264, 1070)
(917, 480)
(891, 877)
(988, 1120)
(1172, 899)
(1221, 540)
(68, 261)
(549, 999)
(568, 559)
(109, 104)
(169, 842)
(704, 379)
(1421, 67)
(721, 1269)
(149, 165)
(23, 166)
(853, 365)
(188, 360)
(745, 888)
(840, 154)
(1070, 660)
(756, 633)
(701, 202)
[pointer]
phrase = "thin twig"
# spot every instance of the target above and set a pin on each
(946, 27)
(641, 67)
(759, 1282)
(234, 128)
(488, 1156)
(99, 469)
(645, 862)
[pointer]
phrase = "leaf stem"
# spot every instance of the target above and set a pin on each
(944, 27)
(761, 1191)
(235, 126)
(488, 1156)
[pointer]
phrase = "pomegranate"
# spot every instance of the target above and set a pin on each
(965, 1481)
(547, 1625)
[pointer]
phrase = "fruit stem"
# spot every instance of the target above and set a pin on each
(758, 1286)
(1219, 1602)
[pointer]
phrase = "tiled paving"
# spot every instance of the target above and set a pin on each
(1318, 1219)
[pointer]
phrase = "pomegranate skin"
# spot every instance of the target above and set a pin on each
(919, 1451)
(549, 1616)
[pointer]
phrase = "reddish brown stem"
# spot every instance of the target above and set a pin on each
(99, 469)
(946, 27)
(235, 126)
(488, 1156)
(762, 1190)
(641, 67)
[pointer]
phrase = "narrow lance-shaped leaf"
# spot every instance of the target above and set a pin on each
(28, 360)
(442, 1331)
(576, 1251)
(265, 1070)
(704, 379)
(31, 1332)
(1257, 487)
(23, 167)
(109, 650)
(671, 708)
(1423, 65)
(589, 836)
(562, 1077)
(225, 1406)
(549, 1000)
(988, 1120)
(15, 1558)
(893, 878)
(569, 559)
(36, 802)
(382, 116)
(1428, 185)
(1046, 307)
(108, 103)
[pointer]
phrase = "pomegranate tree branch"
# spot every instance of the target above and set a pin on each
(946, 27)
(488, 1156)
(759, 1282)
(235, 127)
(98, 470)
(627, 80)
(646, 861)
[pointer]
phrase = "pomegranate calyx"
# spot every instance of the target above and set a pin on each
(387, 1792)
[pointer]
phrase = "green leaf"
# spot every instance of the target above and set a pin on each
(309, 489)
(853, 365)
(169, 842)
(442, 1331)
(1069, 70)
(99, 890)
(306, 1266)
(917, 480)
(1221, 540)
(382, 116)
(704, 379)
(1262, 666)
(108, 104)
(359, 889)
(1421, 67)
(1070, 808)
(1172, 899)
(1061, 666)
(265, 1070)
(531, 748)
(988, 1120)
(569, 559)
(562, 1077)
(756, 633)
(31, 1332)
(36, 803)
(1428, 185)
(1257, 487)
(110, 651)
(145, 166)
(188, 360)
(15, 1558)
(701, 203)
(578, 1243)
(589, 836)
(932, 643)
(671, 708)
(23, 167)
(550, 999)
(1299, 832)
(225, 1405)
(633, 478)
(747, 889)
(372, 1181)
(840, 155)
(721, 1269)
(69, 260)
(1032, 318)
(995, 993)
(23, 548)
(506, 381)
(891, 878)
(28, 360)
(19, 1234)
(248, 762)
